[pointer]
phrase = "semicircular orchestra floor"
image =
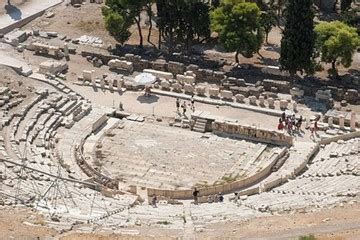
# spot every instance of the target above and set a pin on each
(156, 155)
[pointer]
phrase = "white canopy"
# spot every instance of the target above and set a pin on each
(144, 79)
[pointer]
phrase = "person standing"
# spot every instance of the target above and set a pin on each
(192, 103)
(299, 123)
(283, 116)
(221, 197)
(280, 125)
(195, 195)
(121, 106)
(153, 201)
(177, 104)
(184, 108)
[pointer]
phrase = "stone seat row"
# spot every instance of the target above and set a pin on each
(23, 111)
(319, 185)
(90, 171)
(333, 167)
(272, 202)
(225, 95)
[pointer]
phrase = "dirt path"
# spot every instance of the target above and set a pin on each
(338, 223)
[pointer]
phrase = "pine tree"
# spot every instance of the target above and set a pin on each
(238, 24)
(297, 44)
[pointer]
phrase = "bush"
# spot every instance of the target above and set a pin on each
(308, 237)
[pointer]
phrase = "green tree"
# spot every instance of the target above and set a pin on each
(116, 25)
(215, 3)
(268, 21)
(297, 43)
(127, 10)
(183, 21)
(351, 17)
(336, 43)
(279, 7)
(238, 24)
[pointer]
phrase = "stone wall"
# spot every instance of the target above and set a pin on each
(105, 58)
(252, 133)
(98, 123)
(207, 75)
(346, 89)
(344, 137)
(224, 188)
(97, 176)
(275, 70)
(282, 86)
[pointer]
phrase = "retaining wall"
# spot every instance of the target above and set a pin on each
(252, 133)
(282, 179)
(98, 123)
(344, 137)
(224, 188)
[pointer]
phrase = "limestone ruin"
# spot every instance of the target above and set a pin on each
(83, 142)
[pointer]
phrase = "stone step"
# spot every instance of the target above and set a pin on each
(200, 125)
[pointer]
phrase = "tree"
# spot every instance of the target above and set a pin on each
(336, 43)
(268, 21)
(183, 21)
(195, 22)
(128, 11)
(215, 3)
(116, 25)
(238, 24)
(351, 17)
(345, 5)
(297, 43)
(279, 6)
(150, 14)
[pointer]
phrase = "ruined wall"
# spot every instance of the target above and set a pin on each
(105, 58)
(252, 133)
(99, 122)
(224, 188)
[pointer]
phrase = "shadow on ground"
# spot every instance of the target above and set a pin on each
(147, 99)
(13, 12)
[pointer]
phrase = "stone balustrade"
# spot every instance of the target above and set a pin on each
(250, 132)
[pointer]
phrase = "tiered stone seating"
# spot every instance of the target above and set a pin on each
(73, 136)
(330, 177)
(335, 159)
(208, 213)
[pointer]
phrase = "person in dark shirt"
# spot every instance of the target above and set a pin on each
(153, 201)
(177, 104)
(221, 197)
(195, 195)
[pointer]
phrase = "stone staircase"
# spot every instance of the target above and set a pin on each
(200, 125)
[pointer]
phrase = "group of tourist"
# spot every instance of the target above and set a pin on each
(184, 105)
(290, 123)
